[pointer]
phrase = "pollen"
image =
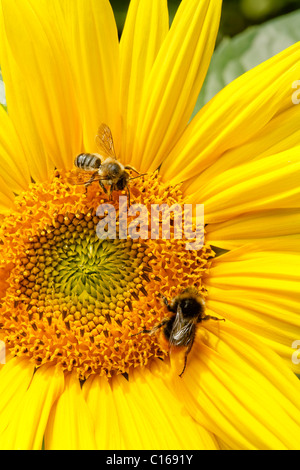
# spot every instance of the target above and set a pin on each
(71, 298)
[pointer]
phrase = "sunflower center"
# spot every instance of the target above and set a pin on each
(77, 300)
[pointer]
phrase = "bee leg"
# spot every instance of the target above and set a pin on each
(166, 302)
(189, 347)
(90, 180)
(185, 361)
(142, 331)
(209, 317)
(154, 329)
(103, 187)
(128, 194)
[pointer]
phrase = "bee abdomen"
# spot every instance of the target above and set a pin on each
(87, 160)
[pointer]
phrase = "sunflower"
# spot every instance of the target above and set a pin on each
(79, 372)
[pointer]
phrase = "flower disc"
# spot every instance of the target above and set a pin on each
(72, 298)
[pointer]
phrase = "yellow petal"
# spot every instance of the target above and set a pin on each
(280, 134)
(145, 415)
(269, 183)
(32, 158)
(99, 397)
(146, 26)
(6, 197)
(13, 165)
(15, 377)
(276, 325)
(234, 116)
(36, 46)
(26, 429)
(272, 266)
(254, 226)
(92, 40)
(240, 390)
(256, 286)
(175, 80)
(70, 424)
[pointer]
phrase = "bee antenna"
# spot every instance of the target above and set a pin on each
(135, 177)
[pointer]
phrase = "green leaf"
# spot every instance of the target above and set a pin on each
(235, 56)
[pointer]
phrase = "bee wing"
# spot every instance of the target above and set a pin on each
(79, 176)
(182, 330)
(105, 142)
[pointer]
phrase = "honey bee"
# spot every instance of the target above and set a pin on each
(179, 329)
(102, 167)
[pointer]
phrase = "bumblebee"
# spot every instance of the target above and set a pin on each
(179, 329)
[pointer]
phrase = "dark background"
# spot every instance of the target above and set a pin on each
(237, 15)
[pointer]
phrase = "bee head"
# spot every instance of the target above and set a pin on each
(123, 180)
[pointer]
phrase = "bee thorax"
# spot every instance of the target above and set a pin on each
(113, 169)
(190, 307)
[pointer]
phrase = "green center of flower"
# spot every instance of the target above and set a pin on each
(92, 270)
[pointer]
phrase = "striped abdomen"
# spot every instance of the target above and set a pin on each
(87, 161)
